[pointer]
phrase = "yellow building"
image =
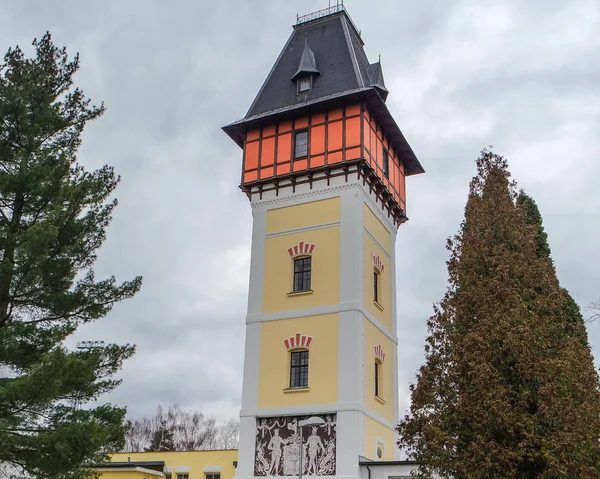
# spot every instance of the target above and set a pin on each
(171, 465)
(324, 167)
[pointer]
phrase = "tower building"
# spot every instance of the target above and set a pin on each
(324, 168)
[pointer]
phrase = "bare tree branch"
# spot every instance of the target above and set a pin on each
(180, 430)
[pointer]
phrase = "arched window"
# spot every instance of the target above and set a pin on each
(378, 372)
(299, 369)
(377, 279)
(302, 276)
(378, 378)
(298, 346)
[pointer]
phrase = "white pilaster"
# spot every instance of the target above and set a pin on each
(257, 259)
(251, 366)
(245, 467)
(348, 442)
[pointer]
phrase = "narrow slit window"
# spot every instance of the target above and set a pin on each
(386, 162)
(377, 374)
(302, 274)
(301, 144)
(376, 286)
(299, 369)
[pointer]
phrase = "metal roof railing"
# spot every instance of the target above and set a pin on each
(320, 13)
(338, 7)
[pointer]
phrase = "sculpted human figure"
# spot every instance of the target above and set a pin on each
(314, 444)
(274, 446)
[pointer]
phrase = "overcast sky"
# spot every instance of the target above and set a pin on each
(522, 76)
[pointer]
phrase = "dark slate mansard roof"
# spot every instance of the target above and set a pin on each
(331, 46)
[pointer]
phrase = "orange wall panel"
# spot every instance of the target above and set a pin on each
(317, 140)
(336, 114)
(284, 147)
(301, 123)
(316, 161)
(283, 169)
(319, 118)
(266, 172)
(352, 110)
(253, 135)
(267, 156)
(250, 176)
(334, 135)
(300, 165)
(251, 159)
(285, 126)
(269, 130)
(353, 132)
(352, 154)
(333, 158)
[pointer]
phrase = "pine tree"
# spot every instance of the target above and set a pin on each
(53, 217)
(508, 389)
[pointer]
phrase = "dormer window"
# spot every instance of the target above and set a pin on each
(304, 83)
(307, 68)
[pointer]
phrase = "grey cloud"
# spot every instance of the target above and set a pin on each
(462, 75)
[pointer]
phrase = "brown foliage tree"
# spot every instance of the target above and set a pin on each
(508, 389)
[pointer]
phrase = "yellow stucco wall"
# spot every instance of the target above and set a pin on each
(374, 226)
(325, 278)
(128, 474)
(195, 461)
(274, 373)
(375, 431)
(372, 337)
(303, 216)
(383, 310)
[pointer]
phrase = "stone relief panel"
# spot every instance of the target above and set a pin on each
(278, 446)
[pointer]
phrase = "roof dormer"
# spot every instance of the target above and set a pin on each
(376, 78)
(307, 68)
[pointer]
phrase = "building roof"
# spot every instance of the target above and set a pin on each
(155, 465)
(327, 40)
(154, 468)
(335, 46)
(363, 461)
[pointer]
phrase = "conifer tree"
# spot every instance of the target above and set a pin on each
(53, 217)
(508, 389)
(533, 216)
